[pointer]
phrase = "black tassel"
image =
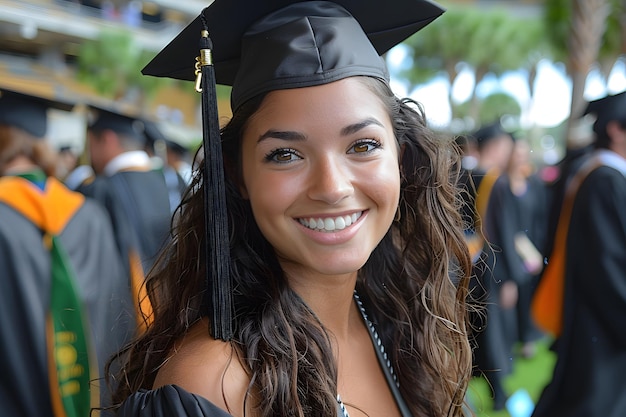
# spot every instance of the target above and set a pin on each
(217, 248)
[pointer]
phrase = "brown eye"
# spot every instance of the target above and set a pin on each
(365, 146)
(282, 156)
(361, 147)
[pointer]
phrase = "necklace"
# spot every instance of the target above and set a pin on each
(344, 411)
(378, 344)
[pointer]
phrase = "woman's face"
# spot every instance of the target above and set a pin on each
(320, 168)
(520, 156)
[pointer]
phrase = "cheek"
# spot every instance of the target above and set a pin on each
(270, 190)
(382, 186)
(389, 191)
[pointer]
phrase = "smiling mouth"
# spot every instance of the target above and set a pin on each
(330, 224)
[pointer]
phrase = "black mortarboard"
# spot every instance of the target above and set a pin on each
(489, 132)
(120, 122)
(176, 147)
(606, 109)
(152, 132)
(260, 46)
(28, 112)
(155, 134)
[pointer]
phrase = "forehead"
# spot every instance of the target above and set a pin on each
(338, 103)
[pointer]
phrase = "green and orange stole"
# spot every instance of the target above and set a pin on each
(66, 332)
(547, 301)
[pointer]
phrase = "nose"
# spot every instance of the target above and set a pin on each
(330, 181)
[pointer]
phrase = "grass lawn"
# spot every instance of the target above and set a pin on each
(528, 374)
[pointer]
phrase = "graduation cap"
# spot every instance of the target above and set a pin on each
(260, 46)
(266, 45)
(28, 112)
(177, 148)
(607, 109)
(152, 132)
(101, 118)
(488, 132)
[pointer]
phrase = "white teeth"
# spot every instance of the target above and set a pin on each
(330, 224)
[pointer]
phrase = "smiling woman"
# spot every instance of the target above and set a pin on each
(345, 247)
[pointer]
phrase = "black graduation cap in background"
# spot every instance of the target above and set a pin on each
(152, 132)
(155, 138)
(488, 132)
(606, 109)
(257, 46)
(28, 112)
(121, 122)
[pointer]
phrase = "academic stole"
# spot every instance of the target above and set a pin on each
(547, 302)
(141, 301)
(476, 241)
(66, 332)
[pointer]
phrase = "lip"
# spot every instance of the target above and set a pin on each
(335, 237)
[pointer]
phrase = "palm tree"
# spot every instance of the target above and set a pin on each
(584, 32)
(587, 27)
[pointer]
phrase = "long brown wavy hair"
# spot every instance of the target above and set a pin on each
(414, 287)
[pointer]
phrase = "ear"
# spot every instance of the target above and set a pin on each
(616, 133)
(108, 136)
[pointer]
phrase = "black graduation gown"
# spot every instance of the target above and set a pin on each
(140, 209)
(489, 340)
(167, 401)
(25, 299)
(568, 167)
(589, 378)
(510, 214)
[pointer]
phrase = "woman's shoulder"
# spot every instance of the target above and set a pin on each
(208, 368)
(169, 400)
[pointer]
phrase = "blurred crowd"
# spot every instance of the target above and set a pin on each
(78, 234)
(548, 245)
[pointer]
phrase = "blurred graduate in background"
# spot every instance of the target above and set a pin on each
(136, 196)
(61, 275)
(581, 298)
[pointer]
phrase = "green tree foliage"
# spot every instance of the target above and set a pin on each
(492, 107)
(496, 105)
(485, 40)
(112, 65)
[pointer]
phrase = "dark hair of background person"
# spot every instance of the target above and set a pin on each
(15, 142)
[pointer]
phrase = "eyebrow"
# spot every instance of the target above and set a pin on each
(353, 128)
(283, 135)
(297, 136)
